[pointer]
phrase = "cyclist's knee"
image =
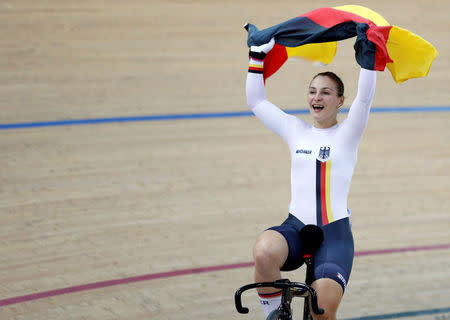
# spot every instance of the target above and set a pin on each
(270, 251)
(329, 295)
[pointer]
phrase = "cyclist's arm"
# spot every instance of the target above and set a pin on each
(269, 114)
(358, 115)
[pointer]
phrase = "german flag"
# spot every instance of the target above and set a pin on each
(378, 44)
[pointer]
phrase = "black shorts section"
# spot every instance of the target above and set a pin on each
(290, 229)
(333, 260)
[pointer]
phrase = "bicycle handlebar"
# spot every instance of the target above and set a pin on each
(279, 284)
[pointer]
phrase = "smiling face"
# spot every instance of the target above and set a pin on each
(324, 99)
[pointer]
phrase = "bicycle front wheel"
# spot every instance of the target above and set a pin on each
(277, 315)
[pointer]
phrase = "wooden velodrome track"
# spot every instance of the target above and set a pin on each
(156, 219)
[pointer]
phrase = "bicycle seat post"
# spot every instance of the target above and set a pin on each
(312, 237)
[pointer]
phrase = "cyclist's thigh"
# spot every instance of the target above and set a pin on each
(334, 259)
(290, 230)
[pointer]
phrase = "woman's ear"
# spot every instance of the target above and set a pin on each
(341, 101)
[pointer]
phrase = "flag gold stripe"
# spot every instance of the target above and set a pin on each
(365, 13)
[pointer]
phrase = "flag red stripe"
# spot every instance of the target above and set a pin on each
(329, 17)
(379, 36)
(274, 60)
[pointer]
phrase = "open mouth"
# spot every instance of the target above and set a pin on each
(317, 107)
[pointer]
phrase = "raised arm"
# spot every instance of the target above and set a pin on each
(272, 116)
(358, 115)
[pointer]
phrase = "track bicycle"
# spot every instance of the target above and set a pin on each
(312, 237)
